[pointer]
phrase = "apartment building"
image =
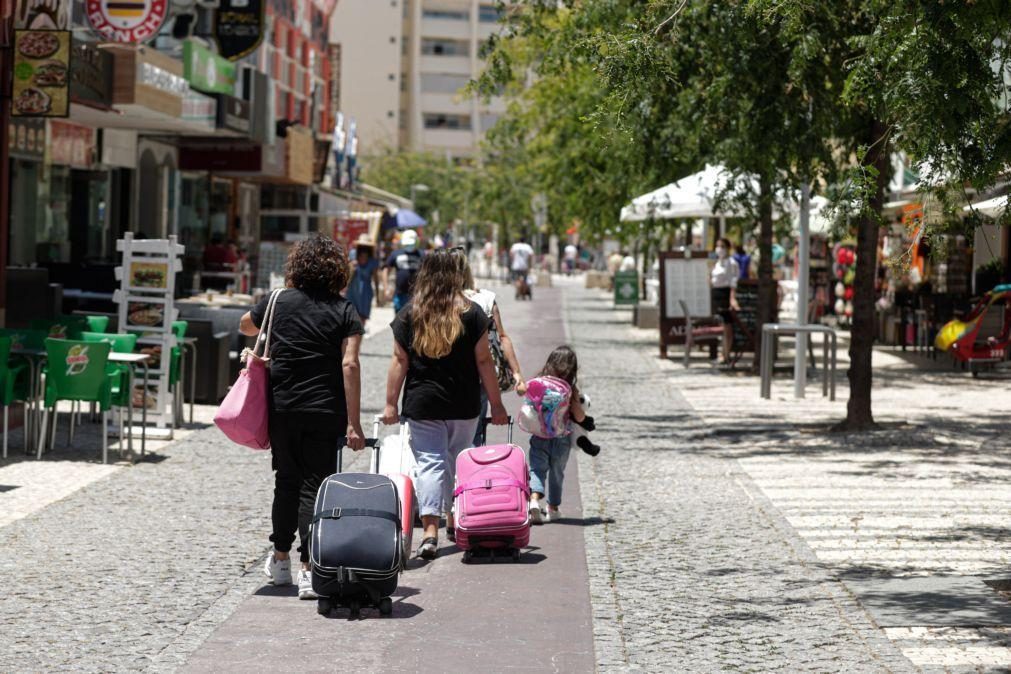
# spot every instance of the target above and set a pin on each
(367, 36)
(442, 42)
(437, 45)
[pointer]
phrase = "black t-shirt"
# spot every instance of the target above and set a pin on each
(442, 388)
(306, 373)
(407, 263)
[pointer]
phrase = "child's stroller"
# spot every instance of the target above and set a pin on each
(523, 283)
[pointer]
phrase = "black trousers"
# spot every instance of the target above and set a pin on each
(304, 448)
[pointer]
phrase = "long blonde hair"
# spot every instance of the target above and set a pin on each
(437, 305)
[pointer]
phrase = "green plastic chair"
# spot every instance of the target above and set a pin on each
(121, 343)
(76, 371)
(97, 323)
(25, 338)
(13, 383)
(62, 327)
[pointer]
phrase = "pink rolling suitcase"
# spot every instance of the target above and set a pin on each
(491, 500)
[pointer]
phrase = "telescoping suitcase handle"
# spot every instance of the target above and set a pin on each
(369, 442)
(486, 422)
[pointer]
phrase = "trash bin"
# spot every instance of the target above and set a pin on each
(626, 288)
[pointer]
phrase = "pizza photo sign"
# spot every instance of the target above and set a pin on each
(41, 73)
(127, 20)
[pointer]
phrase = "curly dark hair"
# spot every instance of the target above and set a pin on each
(317, 266)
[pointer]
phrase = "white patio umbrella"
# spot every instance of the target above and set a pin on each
(992, 208)
(693, 196)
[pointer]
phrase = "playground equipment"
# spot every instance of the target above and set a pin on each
(962, 339)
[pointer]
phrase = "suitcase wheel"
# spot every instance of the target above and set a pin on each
(356, 610)
(467, 556)
(516, 555)
(385, 606)
(324, 605)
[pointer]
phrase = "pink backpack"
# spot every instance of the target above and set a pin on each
(545, 411)
(242, 415)
(491, 498)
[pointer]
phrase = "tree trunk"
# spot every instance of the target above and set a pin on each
(858, 409)
(766, 283)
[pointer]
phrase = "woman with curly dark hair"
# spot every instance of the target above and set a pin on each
(315, 386)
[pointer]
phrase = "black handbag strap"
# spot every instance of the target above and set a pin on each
(337, 513)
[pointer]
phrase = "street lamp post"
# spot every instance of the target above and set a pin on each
(417, 187)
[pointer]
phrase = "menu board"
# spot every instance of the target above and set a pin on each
(747, 316)
(687, 280)
(148, 275)
(684, 277)
(41, 73)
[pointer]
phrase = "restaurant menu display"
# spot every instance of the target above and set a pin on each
(684, 277)
(41, 73)
(146, 300)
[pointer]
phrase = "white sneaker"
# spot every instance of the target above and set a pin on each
(536, 514)
(552, 515)
(305, 590)
(278, 570)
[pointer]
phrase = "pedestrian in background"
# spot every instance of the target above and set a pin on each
(406, 261)
(498, 339)
(571, 253)
(723, 281)
(549, 455)
(441, 359)
(364, 277)
(315, 392)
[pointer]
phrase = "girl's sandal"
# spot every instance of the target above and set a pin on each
(429, 548)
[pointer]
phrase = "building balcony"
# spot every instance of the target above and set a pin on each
(451, 65)
(447, 139)
(452, 103)
(447, 28)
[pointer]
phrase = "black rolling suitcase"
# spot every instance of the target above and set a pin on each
(355, 541)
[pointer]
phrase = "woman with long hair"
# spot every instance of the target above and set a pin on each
(497, 337)
(441, 359)
(315, 392)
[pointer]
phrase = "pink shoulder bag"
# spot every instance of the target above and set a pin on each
(243, 413)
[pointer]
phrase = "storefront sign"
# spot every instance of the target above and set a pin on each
(91, 75)
(126, 20)
(347, 230)
(239, 27)
(42, 14)
(221, 157)
(71, 144)
(41, 73)
(299, 146)
(200, 108)
(259, 92)
(321, 155)
(233, 114)
(26, 138)
(207, 71)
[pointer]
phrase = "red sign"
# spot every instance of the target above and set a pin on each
(127, 20)
(347, 231)
(71, 144)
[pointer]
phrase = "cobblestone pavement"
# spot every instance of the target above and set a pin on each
(911, 519)
(694, 569)
(135, 566)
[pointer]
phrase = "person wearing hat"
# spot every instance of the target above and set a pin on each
(407, 261)
(364, 275)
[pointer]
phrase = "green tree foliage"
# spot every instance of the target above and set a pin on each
(451, 187)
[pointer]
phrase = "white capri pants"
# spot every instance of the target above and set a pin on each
(435, 445)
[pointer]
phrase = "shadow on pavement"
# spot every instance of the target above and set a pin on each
(584, 522)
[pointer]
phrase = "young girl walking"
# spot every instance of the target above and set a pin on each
(548, 455)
